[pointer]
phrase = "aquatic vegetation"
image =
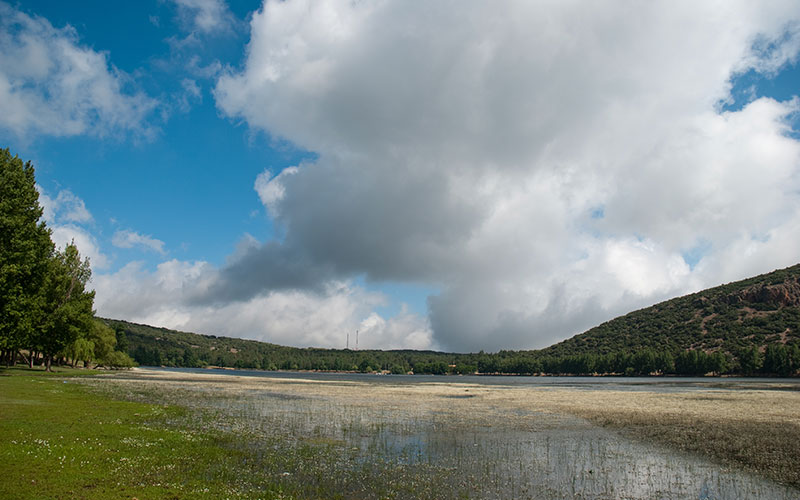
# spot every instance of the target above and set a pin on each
(441, 440)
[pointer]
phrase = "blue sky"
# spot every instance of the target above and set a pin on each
(293, 171)
(189, 186)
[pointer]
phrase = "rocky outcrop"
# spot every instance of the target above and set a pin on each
(784, 294)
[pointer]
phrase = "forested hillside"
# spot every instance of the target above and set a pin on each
(728, 319)
(751, 327)
(160, 346)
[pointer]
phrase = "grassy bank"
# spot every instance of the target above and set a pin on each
(57, 440)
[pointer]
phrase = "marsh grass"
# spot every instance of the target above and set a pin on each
(377, 440)
(228, 436)
(757, 430)
(769, 449)
(60, 439)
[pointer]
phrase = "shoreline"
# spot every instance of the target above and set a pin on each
(667, 376)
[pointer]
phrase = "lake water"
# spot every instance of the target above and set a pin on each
(478, 431)
(660, 384)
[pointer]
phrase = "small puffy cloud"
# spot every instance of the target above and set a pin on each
(130, 239)
(206, 16)
(52, 85)
(189, 94)
(190, 87)
(65, 207)
(195, 67)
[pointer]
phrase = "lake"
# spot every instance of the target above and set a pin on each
(482, 436)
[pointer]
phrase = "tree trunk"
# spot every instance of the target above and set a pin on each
(48, 361)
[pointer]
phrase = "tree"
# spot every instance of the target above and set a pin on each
(103, 339)
(665, 363)
(776, 360)
(689, 363)
(750, 361)
(67, 306)
(96, 344)
(716, 363)
(794, 359)
(25, 249)
(122, 340)
(190, 358)
(117, 359)
(644, 362)
(82, 349)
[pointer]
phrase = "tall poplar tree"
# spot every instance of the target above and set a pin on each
(25, 252)
(66, 304)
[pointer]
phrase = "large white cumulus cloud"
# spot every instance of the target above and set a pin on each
(546, 165)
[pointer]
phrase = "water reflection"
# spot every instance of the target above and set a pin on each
(480, 445)
(551, 456)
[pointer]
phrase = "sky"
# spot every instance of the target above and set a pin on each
(451, 175)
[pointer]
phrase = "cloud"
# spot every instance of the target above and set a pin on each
(51, 85)
(289, 317)
(67, 216)
(469, 149)
(86, 243)
(189, 94)
(65, 207)
(404, 331)
(206, 16)
(258, 268)
(773, 51)
(130, 239)
(270, 188)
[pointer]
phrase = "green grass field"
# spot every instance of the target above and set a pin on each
(60, 439)
(57, 440)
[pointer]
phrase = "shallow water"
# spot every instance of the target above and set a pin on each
(488, 448)
(652, 384)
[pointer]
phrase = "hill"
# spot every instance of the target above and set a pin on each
(150, 345)
(748, 327)
(732, 318)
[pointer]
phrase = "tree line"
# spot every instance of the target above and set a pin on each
(162, 347)
(46, 308)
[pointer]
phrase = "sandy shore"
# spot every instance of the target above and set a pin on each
(754, 429)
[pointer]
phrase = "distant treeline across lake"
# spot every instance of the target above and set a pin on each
(162, 347)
